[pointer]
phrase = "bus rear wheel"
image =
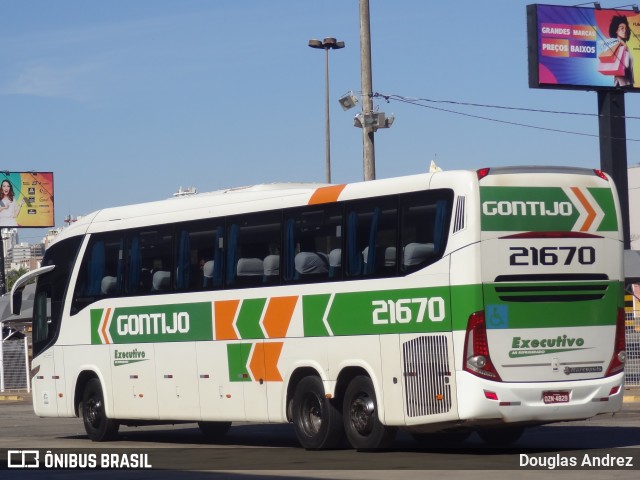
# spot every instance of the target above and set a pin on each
(316, 420)
(361, 422)
(98, 426)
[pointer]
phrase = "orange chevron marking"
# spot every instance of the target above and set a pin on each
(264, 361)
(225, 312)
(105, 322)
(326, 194)
(591, 213)
(278, 316)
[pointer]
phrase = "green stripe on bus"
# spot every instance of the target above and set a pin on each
(313, 308)
(537, 209)
(465, 300)
(157, 323)
(414, 310)
(238, 358)
(420, 310)
(96, 316)
(553, 305)
(604, 197)
(248, 323)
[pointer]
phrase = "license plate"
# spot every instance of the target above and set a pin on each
(555, 397)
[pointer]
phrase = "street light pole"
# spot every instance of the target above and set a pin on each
(327, 44)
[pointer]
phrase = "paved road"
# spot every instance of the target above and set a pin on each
(271, 451)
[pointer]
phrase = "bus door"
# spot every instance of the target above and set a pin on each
(177, 380)
(133, 375)
(221, 396)
(48, 364)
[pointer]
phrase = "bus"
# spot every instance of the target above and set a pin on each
(440, 304)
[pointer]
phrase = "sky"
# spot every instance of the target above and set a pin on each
(126, 101)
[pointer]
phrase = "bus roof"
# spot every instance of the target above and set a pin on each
(236, 200)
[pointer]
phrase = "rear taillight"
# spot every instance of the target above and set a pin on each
(619, 354)
(483, 172)
(601, 174)
(476, 349)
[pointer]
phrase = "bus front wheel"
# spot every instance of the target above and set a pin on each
(98, 426)
(361, 422)
(316, 420)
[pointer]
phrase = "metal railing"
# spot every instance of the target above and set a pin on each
(632, 334)
(14, 365)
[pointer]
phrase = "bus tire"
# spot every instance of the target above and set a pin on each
(501, 437)
(361, 422)
(316, 420)
(98, 426)
(214, 430)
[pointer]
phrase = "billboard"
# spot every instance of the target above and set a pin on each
(26, 199)
(583, 48)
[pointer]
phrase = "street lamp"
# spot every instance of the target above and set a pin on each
(327, 44)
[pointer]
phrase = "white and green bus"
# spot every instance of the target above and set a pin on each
(441, 304)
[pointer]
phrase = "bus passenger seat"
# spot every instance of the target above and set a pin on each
(271, 265)
(207, 273)
(390, 257)
(417, 253)
(161, 281)
(309, 263)
(335, 257)
(249, 267)
(335, 261)
(108, 285)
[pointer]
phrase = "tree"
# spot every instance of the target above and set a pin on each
(14, 275)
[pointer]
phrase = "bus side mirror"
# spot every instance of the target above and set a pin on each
(16, 302)
(18, 287)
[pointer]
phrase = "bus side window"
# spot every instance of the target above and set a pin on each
(252, 239)
(101, 269)
(424, 220)
(313, 243)
(371, 237)
(200, 258)
(158, 272)
(51, 290)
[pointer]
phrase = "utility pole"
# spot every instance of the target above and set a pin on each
(369, 155)
(613, 150)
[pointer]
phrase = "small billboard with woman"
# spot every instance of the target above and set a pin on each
(26, 199)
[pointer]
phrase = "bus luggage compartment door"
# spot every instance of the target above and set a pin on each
(427, 377)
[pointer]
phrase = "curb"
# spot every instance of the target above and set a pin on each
(12, 398)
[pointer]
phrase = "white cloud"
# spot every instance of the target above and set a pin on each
(49, 80)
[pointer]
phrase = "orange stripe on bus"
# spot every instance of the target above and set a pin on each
(326, 194)
(105, 322)
(225, 312)
(264, 362)
(591, 213)
(278, 316)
